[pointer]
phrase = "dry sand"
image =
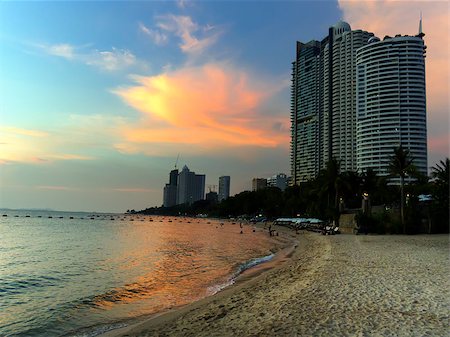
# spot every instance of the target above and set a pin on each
(341, 285)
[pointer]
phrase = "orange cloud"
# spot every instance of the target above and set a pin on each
(56, 188)
(391, 17)
(32, 146)
(22, 132)
(203, 107)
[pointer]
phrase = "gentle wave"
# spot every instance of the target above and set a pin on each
(241, 268)
(16, 284)
(98, 330)
(74, 277)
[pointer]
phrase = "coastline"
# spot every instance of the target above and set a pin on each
(328, 285)
(284, 246)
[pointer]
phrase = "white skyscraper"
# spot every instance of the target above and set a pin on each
(343, 116)
(391, 101)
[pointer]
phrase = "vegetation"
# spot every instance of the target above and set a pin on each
(401, 164)
(333, 193)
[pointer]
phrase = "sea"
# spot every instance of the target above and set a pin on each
(83, 274)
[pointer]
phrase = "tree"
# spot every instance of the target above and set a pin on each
(441, 205)
(441, 172)
(401, 165)
(330, 182)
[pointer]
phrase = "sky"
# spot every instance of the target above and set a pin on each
(98, 99)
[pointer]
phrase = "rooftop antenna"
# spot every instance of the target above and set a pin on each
(421, 34)
(176, 161)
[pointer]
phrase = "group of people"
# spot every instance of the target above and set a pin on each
(272, 232)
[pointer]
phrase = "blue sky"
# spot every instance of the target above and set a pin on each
(99, 98)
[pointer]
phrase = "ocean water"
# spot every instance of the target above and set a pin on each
(80, 274)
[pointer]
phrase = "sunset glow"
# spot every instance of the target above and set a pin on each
(111, 103)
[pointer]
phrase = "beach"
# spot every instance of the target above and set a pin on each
(340, 285)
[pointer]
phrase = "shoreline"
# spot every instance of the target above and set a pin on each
(329, 285)
(283, 249)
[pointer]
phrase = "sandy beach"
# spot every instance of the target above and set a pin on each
(341, 285)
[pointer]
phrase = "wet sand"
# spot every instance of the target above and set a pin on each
(341, 285)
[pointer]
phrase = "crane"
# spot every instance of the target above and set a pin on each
(176, 162)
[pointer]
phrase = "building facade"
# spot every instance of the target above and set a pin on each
(343, 123)
(305, 112)
(212, 197)
(278, 180)
(170, 190)
(224, 188)
(258, 184)
(323, 105)
(391, 101)
(191, 187)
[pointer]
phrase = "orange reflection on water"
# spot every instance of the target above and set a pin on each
(179, 261)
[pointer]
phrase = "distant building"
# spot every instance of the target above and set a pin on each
(191, 186)
(224, 188)
(212, 197)
(258, 184)
(170, 190)
(279, 180)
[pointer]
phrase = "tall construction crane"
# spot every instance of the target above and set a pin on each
(176, 161)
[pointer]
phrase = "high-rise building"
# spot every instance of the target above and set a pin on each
(278, 180)
(258, 184)
(343, 123)
(323, 106)
(191, 186)
(224, 188)
(170, 190)
(305, 112)
(391, 101)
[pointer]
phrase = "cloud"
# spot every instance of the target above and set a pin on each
(200, 108)
(68, 156)
(109, 60)
(156, 36)
(69, 142)
(115, 59)
(183, 3)
(56, 188)
(195, 38)
(64, 50)
(402, 17)
(136, 190)
(22, 132)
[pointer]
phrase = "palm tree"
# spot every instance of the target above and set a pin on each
(330, 183)
(441, 172)
(441, 204)
(401, 164)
